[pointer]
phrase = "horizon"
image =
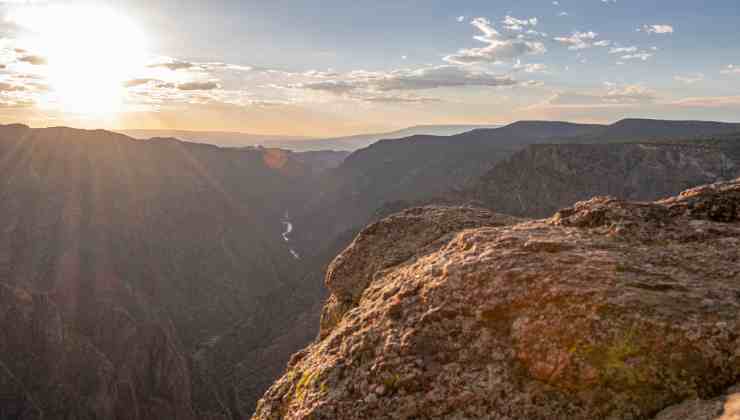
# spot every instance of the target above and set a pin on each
(291, 69)
(275, 137)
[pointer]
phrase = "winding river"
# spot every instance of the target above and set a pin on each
(286, 234)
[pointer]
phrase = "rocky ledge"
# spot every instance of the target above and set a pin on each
(607, 310)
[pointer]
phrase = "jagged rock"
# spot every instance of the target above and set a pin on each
(608, 310)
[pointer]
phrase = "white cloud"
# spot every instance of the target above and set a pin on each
(708, 102)
(35, 60)
(513, 24)
(612, 95)
(174, 64)
(407, 80)
(578, 40)
(530, 67)
(399, 99)
(623, 50)
(644, 56)
(731, 69)
(689, 79)
(563, 14)
(500, 48)
(657, 29)
(461, 19)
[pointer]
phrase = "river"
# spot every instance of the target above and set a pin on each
(286, 235)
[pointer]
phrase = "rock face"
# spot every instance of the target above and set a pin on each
(607, 310)
(138, 242)
(127, 370)
(544, 178)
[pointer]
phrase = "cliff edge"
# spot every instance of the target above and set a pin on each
(607, 310)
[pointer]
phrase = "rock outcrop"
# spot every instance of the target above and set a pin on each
(607, 310)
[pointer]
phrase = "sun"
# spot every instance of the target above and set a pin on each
(89, 51)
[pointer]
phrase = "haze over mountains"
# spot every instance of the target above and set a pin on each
(166, 260)
(301, 144)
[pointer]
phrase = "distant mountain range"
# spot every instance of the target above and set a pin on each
(357, 142)
(301, 144)
(216, 138)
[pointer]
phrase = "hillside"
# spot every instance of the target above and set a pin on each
(540, 180)
(423, 168)
(181, 236)
(608, 309)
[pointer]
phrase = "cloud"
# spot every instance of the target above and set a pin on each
(708, 102)
(461, 19)
(578, 40)
(623, 50)
(644, 56)
(500, 48)
(16, 103)
(400, 99)
(530, 67)
(731, 69)
(656, 29)
(9, 87)
(407, 80)
(35, 60)
(210, 85)
(222, 66)
(629, 94)
(513, 24)
(438, 77)
(333, 86)
(173, 65)
(689, 79)
(613, 95)
(139, 82)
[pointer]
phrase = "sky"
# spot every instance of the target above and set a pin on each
(331, 67)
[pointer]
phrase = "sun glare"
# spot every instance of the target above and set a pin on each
(90, 52)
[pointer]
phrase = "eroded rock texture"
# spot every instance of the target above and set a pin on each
(607, 310)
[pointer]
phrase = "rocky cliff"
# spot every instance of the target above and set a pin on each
(136, 243)
(541, 179)
(124, 370)
(608, 310)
